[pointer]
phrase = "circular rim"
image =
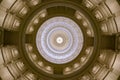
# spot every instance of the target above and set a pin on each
(73, 6)
(74, 35)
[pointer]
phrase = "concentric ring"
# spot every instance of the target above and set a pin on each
(59, 40)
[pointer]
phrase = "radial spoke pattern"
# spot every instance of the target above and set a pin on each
(57, 39)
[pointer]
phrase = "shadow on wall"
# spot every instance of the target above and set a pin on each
(118, 1)
(0, 2)
(118, 78)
